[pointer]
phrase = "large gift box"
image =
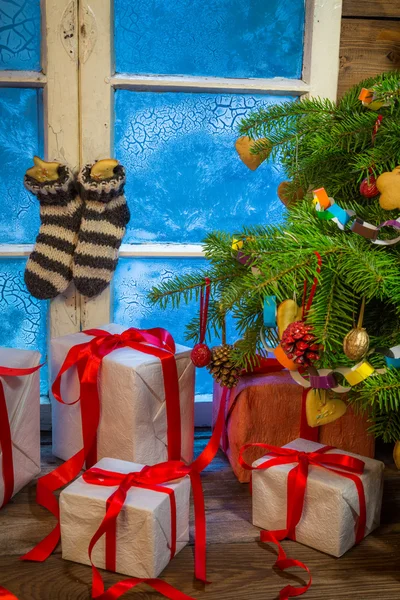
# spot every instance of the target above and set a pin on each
(268, 408)
(133, 417)
(19, 420)
(333, 506)
(143, 535)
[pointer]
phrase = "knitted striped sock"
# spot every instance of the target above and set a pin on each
(49, 268)
(103, 226)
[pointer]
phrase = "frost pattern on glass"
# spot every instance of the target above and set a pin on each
(23, 317)
(133, 280)
(20, 34)
(21, 136)
(184, 177)
(220, 38)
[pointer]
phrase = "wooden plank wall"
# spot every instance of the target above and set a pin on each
(370, 40)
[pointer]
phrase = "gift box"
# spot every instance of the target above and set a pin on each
(133, 416)
(333, 507)
(268, 408)
(19, 420)
(143, 527)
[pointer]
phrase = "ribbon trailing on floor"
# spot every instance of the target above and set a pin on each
(6, 595)
(340, 464)
(5, 431)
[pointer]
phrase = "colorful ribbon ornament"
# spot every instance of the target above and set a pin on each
(5, 432)
(392, 356)
(327, 209)
(296, 488)
(152, 478)
(325, 379)
(6, 595)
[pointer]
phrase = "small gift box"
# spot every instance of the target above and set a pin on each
(19, 420)
(132, 392)
(271, 409)
(318, 495)
(152, 524)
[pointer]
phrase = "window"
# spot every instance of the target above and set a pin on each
(185, 73)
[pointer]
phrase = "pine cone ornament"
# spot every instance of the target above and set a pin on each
(221, 366)
(298, 343)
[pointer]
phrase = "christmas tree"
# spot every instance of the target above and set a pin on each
(350, 149)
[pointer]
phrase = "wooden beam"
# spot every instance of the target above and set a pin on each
(367, 48)
(371, 8)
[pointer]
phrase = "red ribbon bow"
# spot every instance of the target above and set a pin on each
(87, 358)
(5, 431)
(341, 464)
(152, 478)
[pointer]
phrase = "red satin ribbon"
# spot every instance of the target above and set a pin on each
(87, 358)
(307, 307)
(204, 301)
(5, 594)
(152, 478)
(341, 464)
(5, 432)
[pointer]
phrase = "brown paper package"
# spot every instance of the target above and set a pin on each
(270, 413)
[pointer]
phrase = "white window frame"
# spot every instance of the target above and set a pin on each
(78, 111)
(59, 81)
(97, 82)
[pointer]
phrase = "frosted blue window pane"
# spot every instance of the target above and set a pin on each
(222, 38)
(21, 136)
(184, 177)
(23, 318)
(133, 280)
(20, 34)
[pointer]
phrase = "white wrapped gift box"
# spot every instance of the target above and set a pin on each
(143, 537)
(133, 422)
(331, 505)
(22, 396)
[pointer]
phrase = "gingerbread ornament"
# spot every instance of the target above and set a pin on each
(389, 186)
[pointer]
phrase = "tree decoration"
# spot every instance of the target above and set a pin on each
(201, 353)
(286, 194)
(246, 148)
(319, 143)
(222, 366)
(368, 187)
(287, 312)
(299, 344)
(356, 342)
(321, 410)
(389, 186)
(396, 454)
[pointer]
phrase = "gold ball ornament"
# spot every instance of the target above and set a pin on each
(286, 194)
(244, 146)
(396, 454)
(356, 343)
(389, 186)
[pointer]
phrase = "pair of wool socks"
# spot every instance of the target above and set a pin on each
(83, 222)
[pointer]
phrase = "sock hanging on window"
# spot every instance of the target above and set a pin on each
(105, 216)
(49, 268)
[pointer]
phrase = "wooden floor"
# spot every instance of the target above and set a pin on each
(239, 567)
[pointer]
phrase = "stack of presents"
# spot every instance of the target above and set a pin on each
(123, 425)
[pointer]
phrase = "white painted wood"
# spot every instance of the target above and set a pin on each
(171, 83)
(127, 250)
(61, 126)
(22, 79)
(173, 250)
(96, 106)
(321, 47)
